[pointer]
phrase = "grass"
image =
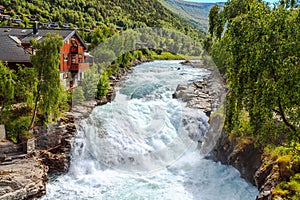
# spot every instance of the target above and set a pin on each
(165, 56)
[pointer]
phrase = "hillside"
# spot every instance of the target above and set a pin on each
(87, 14)
(195, 13)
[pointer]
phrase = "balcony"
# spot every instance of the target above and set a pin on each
(79, 66)
(74, 50)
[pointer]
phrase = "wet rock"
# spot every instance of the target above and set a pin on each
(239, 153)
(206, 94)
(259, 169)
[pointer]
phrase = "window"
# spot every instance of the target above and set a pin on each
(65, 58)
(80, 58)
(73, 59)
(74, 43)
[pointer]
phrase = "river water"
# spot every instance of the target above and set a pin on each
(143, 145)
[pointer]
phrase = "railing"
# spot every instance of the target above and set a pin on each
(74, 49)
(79, 66)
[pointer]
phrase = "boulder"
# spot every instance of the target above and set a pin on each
(205, 94)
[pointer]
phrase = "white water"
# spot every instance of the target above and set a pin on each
(143, 145)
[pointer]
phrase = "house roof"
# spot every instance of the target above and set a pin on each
(12, 38)
(10, 50)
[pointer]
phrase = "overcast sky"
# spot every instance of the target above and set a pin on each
(214, 1)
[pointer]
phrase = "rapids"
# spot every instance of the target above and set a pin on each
(143, 145)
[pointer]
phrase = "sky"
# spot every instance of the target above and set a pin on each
(214, 1)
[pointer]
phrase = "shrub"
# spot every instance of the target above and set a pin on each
(78, 96)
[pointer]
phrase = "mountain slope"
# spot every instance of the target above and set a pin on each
(195, 13)
(86, 14)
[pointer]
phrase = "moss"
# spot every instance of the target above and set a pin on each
(243, 141)
(287, 158)
(285, 166)
(288, 189)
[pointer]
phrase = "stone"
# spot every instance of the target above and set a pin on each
(241, 155)
(30, 146)
(2, 132)
(23, 179)
(205, 94)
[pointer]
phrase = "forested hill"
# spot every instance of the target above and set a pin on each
(86, 14)
(196, 13)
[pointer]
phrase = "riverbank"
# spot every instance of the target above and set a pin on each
(24, 175)
(255, 164)
(54, 143)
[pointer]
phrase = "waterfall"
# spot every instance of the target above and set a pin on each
(143, 145)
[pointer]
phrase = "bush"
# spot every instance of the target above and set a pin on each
(103, 85)
(78, 96)
(17, 128)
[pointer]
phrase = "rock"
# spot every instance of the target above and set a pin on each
(2, 132)
(240, 153)
(259, 169)
(7, 147)
(205, 94)
(24, 179)
(266, 178)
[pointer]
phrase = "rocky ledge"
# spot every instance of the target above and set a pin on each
(23, 179)
(205, 94)
(23, 175)
(241, 152)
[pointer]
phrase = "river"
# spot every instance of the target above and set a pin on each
(143, 145)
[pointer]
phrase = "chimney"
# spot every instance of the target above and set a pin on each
(35, 28)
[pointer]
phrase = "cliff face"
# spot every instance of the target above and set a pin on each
(240, 153)
(255, 167)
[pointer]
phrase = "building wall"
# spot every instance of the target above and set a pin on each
(66, 56)
(71, 78)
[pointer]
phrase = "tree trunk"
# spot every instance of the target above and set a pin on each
(34, 111)
(285, 120)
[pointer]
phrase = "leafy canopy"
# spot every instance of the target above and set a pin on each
(261, 52)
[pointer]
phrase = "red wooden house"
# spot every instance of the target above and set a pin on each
(15, 49)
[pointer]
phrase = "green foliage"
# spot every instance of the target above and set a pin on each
(103, 85)
(26, 85)
(17, 128)
(7, 86)
(127, 59)
(89, 83)
(17, 91)
(138, 54)
(261, 51)
(288, 189)
(49, 89)
(124, 14)
(164, 56)
(146, 51)
(288, 159)
(78, 96)
(100, 34)
(213, 18)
